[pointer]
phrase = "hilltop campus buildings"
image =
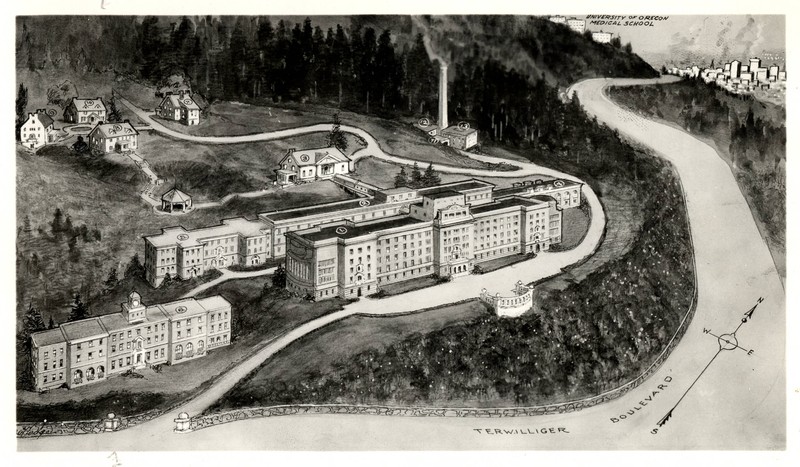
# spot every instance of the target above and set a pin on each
(91, 350)
(350, 248)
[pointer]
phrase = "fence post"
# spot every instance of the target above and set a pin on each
(111, 422)
(182, 423)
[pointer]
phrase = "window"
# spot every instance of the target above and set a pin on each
(78, 346)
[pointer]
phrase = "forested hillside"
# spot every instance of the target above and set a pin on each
(749, 134)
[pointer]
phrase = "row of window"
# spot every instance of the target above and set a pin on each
(400, 275)
(89, 356)
(79, 345)
(60, 364)
(53, 377)
(405, 246)
(46, 353)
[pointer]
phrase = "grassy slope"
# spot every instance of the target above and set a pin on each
(319, 352)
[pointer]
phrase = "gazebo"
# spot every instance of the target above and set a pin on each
(176, 200)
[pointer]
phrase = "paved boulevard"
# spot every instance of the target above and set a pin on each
(739, 403)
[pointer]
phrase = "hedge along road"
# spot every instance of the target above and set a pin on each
(156, 434)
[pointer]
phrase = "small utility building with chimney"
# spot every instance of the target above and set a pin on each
(459, 136)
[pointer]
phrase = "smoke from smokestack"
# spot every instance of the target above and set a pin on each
(426, 39)
(434, 57)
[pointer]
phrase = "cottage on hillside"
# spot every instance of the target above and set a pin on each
(37, 130)
(312, 164)
(85, 110)
(180, 108)
(111, 137)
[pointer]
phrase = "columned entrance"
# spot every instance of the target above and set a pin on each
(138, 358)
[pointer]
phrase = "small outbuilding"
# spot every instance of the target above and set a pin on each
(176, 200)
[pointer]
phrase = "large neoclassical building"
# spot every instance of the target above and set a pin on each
(93, 349)
(183, 253)
(446, 233)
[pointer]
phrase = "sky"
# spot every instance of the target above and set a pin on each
(685, 39)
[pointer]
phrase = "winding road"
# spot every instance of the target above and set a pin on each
(739, 403)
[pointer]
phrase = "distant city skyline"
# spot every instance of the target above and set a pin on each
(697, 39)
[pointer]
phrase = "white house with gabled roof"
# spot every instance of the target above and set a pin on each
(310, 165)
(85, 110)
(111, 137)
(37, 130)
(180, 108)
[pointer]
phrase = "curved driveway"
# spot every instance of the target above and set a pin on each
(738, 404)
(152, 434)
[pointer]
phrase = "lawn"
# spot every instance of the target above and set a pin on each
(206, 170)
(399, 138)
(235, 118)
(102, 193)
(624, 220)
(574, 225)
(320, 352)
(382, 173)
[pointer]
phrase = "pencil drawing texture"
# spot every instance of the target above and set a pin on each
(254, 228)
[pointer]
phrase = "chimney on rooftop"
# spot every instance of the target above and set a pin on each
(442, 96)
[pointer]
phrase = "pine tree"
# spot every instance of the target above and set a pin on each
(79, 309)
(111, 281)
(68, 227)
(401, 179)
(134, 268)
(21, 104)
(113, 112)
(416, 176)
(336, 138)
(33, 320)
(74, 251)
(51, 324)
(430, 177)
(57, 226)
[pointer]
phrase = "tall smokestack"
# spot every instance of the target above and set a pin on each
(442, 95)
